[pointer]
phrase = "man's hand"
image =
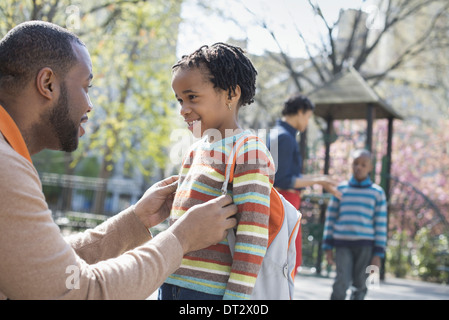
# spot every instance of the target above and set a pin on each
(329, 185)
(205, 224)
(155, 205)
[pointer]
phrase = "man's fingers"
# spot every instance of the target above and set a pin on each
(230, 223)
(229, 208)
(166, 182)
(172, 186)
(171, 179)
(169, 185)
(224, 200)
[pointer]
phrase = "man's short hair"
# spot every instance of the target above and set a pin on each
(31, 46)
(295, 103)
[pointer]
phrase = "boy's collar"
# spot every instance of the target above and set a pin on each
(353, 182)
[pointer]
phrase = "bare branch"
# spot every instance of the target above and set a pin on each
(107, 4)
(350, 45)
(330, 30)
(309, 54)
(403, 11)
(414, 49)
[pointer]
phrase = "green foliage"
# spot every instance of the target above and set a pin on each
(398, 255)
(425, 256)
(430, 256)
(132, 46)
(133, 102)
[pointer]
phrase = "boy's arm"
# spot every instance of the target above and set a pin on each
(253, 180)
(331, 217)
(380, 225)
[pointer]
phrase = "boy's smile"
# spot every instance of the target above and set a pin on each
(202, 106)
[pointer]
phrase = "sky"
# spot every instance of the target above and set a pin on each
(282, 16)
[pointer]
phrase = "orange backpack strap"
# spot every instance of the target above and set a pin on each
(12, 134)
(277, 213)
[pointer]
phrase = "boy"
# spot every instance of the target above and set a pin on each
(356, 226)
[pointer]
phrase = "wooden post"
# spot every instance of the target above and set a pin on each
(323, 206)
(370, 116)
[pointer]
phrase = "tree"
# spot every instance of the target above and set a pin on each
(136, 112)
(132, 45)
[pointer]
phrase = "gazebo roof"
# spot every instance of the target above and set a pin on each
(348, 96)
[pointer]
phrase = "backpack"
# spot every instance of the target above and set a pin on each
(275, 280)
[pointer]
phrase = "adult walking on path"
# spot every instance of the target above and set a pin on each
(45, 75)
(289, 180)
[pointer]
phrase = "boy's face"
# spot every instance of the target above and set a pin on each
(361, 167)
(202, 106)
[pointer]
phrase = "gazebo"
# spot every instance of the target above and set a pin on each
(348, 96)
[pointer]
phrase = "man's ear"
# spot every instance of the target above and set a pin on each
(46, 83)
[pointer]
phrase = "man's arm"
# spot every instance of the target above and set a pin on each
(125, 230)
(37, 263)
(129, 228)
(328, 184)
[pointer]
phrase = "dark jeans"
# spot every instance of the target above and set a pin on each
(171, 292)
(351, 263)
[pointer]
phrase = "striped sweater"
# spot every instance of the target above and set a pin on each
(213, 270)
(359, 218)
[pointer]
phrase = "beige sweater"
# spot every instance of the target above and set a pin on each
(116, 260)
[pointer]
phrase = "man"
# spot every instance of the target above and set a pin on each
(45, 74)
(289, 181)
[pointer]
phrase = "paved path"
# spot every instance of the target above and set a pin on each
(311, 287)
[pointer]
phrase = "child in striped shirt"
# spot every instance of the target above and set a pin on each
(356, 225)
(211, 85)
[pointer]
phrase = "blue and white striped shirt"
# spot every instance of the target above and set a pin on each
(359, 218)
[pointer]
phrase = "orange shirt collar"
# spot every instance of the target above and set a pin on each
(12, 134)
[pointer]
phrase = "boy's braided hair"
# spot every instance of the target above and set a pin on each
(227, 65)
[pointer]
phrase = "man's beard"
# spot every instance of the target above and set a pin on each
(66, 130)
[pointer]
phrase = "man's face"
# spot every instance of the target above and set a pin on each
(70, 110)
(303, 117)
(65, 128)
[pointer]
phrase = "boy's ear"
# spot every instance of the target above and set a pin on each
(46, 83)
(235, 95)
